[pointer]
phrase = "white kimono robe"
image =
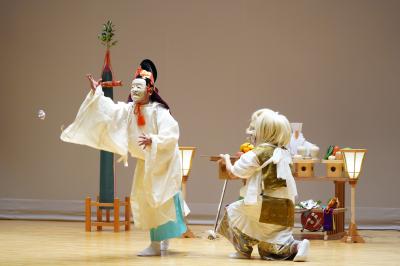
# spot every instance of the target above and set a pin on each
(102, 124)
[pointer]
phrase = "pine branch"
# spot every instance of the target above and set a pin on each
(106, 35)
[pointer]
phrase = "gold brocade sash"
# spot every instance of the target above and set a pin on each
(277, 211)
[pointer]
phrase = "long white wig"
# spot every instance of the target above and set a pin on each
(271, 127)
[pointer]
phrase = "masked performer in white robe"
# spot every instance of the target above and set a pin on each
(145, 128)
(265, 216)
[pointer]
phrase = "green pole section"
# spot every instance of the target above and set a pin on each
(107, 158)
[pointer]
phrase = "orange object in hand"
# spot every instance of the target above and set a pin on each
(245, 147)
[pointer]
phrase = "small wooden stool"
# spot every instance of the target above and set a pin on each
(99, 223)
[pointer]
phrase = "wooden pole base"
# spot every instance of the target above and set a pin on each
(352, 236)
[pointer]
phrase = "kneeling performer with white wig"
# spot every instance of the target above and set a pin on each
(265, 217)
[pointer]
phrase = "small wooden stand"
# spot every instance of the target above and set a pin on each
(304, 167)
(336, 234)
(334, 168)
(338, 213)
(99, 211)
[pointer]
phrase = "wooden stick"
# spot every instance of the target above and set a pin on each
(116, 215)
(87, 215)
(107, 215)
(127, 214)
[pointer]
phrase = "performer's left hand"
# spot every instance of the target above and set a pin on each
(226, 161)
(221, 162)
(144, 141)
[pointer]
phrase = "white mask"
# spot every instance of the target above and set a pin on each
(138, 90)
(251, 138)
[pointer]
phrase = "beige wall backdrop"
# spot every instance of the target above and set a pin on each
(333, 65)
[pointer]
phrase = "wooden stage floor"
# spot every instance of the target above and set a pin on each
(66, 243)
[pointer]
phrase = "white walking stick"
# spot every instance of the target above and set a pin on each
(212, 233)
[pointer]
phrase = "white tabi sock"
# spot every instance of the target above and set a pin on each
(302, 250)
(238, 255)
(152, 250)
(164, 245)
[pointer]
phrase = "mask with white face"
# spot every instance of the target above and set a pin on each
(251, 138)
(138, 90)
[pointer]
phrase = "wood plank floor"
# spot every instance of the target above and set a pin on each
(66, 243)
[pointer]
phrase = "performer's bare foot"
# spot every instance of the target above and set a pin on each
(152, 250)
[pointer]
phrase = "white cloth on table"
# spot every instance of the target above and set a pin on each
(300, 141)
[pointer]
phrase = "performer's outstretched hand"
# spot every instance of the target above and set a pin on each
(92, 82)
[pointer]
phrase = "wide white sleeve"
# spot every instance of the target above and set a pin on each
(163, 174)
(168, 132)
(246, 165)
(100, 123)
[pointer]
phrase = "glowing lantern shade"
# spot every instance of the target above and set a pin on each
(353, 160)
(187, 154)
